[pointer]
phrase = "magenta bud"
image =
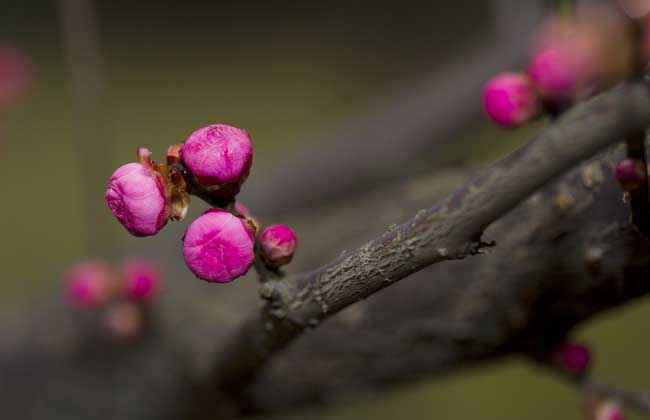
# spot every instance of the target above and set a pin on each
(510, 99)
(567, 60)
(609, 410)
(141, 280)
(136, 196)
(574, 358)
(88, 284)
(278, 243)
(123, 321)
(630, 174)
(220, 156)
(218, 247)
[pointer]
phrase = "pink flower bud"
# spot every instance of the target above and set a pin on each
(278, 244)
(136, 196)
(630, 174)
(574, 358)
(218, 247)
(567, 60)
(88, 284)
(15, 74)
(220, 156)
(609, 410)
(510, 99)
(123, 321)
(141, 280)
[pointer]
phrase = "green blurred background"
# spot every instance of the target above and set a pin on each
(283, 71)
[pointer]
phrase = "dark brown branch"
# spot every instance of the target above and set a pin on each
(450, 230)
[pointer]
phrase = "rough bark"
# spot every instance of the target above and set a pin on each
(450, 230)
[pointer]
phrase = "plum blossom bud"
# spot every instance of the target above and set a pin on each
(278, 243)
(510, 99)
(220, 156)
(567, 59)
(141, 280)
(574, 358)
(218, 247)
(136, 196)
(608, 410)
(15, 74)
(630, 174)
(123, 320)
(88, 284)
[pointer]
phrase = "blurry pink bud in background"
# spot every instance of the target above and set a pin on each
(566, 59)
(123, 320)
(141, 280)
(510, 99)
(88, 284)
(136, 196)
(609, 410)
(220, 156)
(15, 75)
(278, 244)
(218, 246)
(574, 358)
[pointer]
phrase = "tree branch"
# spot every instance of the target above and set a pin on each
(450, 230)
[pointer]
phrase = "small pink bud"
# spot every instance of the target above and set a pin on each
(574, 358)
(218, 247)
(15, 74)
(567, 60)
(88, 284)
(630, 174)
(141, 280)
(123, 320)
(278, 244)
(609, 410)
(510, 99)
(136, 196)
(220, 156)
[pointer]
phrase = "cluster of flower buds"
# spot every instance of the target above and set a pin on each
(572, 57)
(120, 295)
(213, 163)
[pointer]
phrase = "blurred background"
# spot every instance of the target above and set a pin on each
(120, 74)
